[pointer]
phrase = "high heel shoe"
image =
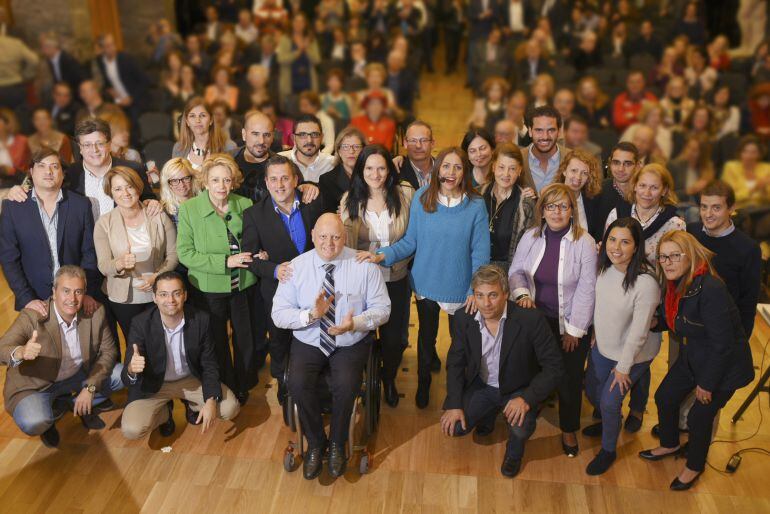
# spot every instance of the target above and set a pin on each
(569, 451)
(648, 455)
(678, 485)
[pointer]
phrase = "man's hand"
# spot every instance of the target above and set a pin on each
(515, 411)
(569, 343)
(344, 327)
(17, 194)
(398, 160)
(83, 403)
(322, 304)
(89, 305)
(309, 192)
(702, 395)
(449, 419)
(207, 414)
(283, 272)
(153, 207)
(136, 365)
(32, 348)
(38, 306)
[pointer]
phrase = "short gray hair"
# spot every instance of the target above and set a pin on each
(491, 274)
(69, 270)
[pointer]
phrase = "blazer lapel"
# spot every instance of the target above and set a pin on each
(52, 326)
(474, 341)
(511, 331)
(61, 223)
(84, 337)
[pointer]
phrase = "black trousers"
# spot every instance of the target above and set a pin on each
(239, 369)
(392, 331)
(481, 405)
(123, 314)
(346, 367)
(452, 40)
(676, 385)
(428, 313)
(280, 339)
(570, 389)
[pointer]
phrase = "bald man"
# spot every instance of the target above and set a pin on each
(332, 304)
(644, 140)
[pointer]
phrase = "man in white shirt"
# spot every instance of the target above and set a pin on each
(171, 356)
(332, 303)
(306, 153)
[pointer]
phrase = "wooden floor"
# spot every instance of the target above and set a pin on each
(237, 467)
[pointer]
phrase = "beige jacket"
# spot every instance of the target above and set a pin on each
(99, 350)
(111, 242)
(359, 236)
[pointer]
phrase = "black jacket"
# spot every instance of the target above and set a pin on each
(263, 229)
(716, 349)
(75, 177)
(594, 220)
(148, 334)
(72, 72)
(529, 357)
(333, 185)
(135, 80)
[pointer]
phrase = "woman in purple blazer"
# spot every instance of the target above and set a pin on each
(554, 269)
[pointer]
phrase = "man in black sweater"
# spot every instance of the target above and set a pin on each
(738, 258)
(623, 162)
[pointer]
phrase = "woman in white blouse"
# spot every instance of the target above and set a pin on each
(375, 212)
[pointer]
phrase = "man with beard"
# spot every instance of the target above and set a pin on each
(258, 133)
(623, 162)
(306, 153)
(543, 157)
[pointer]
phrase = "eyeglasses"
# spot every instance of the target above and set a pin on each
(306, 135)
(414, 141)
(182, 180)
(350, 148)
(673, 257)
(97, 145)
(625, 164)
(563, 207)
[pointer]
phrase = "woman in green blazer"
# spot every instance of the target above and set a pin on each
(209, 245)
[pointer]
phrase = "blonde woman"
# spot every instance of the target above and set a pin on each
(177, 184)
(581, 172)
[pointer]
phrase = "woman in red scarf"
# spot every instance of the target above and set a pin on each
(714, 359)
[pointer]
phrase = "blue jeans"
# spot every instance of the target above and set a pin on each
(609, 402)
(34, 415)
(481, 405)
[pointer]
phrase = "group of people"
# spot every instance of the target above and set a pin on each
(304, 245)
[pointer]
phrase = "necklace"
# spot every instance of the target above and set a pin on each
(499, 206)
(645, 222)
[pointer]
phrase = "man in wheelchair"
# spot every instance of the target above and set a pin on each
(503, 358)
(332, 304)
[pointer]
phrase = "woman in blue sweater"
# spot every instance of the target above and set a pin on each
(448, 234)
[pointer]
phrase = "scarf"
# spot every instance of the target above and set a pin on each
(673, 296)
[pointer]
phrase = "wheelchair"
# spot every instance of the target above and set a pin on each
(366, 410)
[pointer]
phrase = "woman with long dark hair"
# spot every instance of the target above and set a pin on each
(448, 234)
(479, 144)
(375, 213)
(627, 295)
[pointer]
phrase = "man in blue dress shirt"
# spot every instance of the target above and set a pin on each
(332, 303)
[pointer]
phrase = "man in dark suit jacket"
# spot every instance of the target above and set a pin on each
(279, 225)
(63, 66)
(401, 81)
(49, 216)
(503, 358)
(126, 81)
(171, 356)
(532, 65)
(64, 108)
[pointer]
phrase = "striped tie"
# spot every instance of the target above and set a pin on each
(328, 344)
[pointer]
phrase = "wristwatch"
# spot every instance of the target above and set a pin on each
(90, 388)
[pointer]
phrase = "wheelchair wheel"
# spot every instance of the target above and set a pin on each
(373, 392)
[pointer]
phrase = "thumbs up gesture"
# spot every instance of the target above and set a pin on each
(136, 365)
(32, 348)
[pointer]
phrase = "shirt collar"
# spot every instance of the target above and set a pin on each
(318, 262)
(726, 232)
(480, 318)
(294, 205)
(74, 323)
(175, 330)
(554, 159)
(85, 168)
(59, 196)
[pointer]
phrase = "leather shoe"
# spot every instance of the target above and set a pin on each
(484, 430)
(337, 460)
(422, 398)
(594, 430)
(50, 438)
(391, 393)
(190, 415)
(312, 463)
(678, 485)
(632, 424)
(106, 406)
(435, 365)
(92, 421)
(601, 462)
(510, 467)
(569, 451)
(167, 428)
(648, 455)
(242, 397)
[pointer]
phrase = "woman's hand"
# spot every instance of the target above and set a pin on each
(262, 255)
(702, 395)
(525, 302)
(149, 280)
(569, 343)
(470, 304)
(621, 380)
(528, 192)
(364, 256)
(239, 260)
(126, 262)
